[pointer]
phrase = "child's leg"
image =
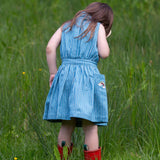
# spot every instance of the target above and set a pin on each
(66, 131)
(91, 135)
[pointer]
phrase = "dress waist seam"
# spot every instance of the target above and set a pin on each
(78, 61)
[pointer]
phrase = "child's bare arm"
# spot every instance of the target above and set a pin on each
(103, 47)
(51, 53)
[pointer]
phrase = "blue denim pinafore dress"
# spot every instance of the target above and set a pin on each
(78, 89)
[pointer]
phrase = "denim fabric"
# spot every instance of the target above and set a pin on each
(78, 89)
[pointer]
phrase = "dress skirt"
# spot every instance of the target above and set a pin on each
(78, 91)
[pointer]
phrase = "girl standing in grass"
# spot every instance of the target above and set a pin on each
(77, 95)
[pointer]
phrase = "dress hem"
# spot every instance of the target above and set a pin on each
(53, 118)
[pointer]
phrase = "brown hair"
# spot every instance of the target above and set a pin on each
(96, 12)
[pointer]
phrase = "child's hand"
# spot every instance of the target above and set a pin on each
(51, 79)
(109, 33)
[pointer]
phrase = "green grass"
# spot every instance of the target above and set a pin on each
(132, 78)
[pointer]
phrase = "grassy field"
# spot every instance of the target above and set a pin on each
(132, 78)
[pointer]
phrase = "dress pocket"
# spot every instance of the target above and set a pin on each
(100, 96)
(99, 82)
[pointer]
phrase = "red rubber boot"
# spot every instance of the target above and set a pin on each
(93, 155)
(60, 149)
(70, 150)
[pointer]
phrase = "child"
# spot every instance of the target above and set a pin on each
(77, 96)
